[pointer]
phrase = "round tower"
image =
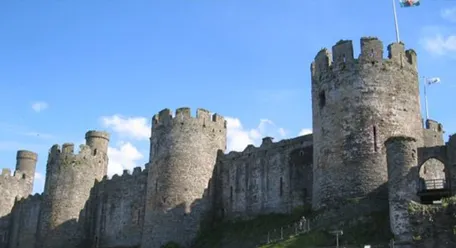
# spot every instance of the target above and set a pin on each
(357, 104)
(183, 154)
(26, 163)
(402, 160)
(69, 179)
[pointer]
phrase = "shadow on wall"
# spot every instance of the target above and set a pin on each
(4, 230)
(70, 229)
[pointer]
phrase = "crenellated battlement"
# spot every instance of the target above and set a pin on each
(268, 145)
(17, 175)
(30, 198)
(434, 126)
(342, 57)
(6, 172)
(127, 174)
(68, 150)
(183, 115)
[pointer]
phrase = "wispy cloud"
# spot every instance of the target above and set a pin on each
(439, 40)
(449, 14)
(23, 131)
(38, 135)
(40, 106)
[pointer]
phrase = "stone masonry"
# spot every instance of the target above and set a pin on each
(358, 104)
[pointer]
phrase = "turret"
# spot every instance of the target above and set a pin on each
(69, 179)
(183, 155)
(26, 162)
(357, 104)
(98, 141)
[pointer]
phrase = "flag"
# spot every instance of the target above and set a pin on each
(434, 80)
(409, 3)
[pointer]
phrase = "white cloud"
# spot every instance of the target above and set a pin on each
(238, 137)
(123, 157)
(38, 176)
(128, 127)
(449, 14)
(39, 106)
(439, 44)
(305, 131)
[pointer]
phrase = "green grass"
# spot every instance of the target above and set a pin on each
(373, 228)
(246, 231)
(311, 239)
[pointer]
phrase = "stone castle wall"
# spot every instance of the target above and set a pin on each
(25, 215)
(19, 184)
(182, 159)
(357, 104)
(69, 179)
(115, 211)
(275, 177)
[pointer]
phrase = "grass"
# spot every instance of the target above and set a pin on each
(373, 228)
(244, 232)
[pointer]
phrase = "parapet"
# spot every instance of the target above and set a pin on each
(269, 146)
(434, 126)
(183, 115)
(24, 154)
(97, 134)
(30, 198)
(342, 57)
(68, 149)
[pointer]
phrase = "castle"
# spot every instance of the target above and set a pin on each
(368, 140)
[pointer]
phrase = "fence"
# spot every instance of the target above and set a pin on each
(304, 226)
(285, 232)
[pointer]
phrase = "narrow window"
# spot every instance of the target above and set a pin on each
(281, 186)
(344, 58)
(156, 186)
(375, 138)
(95, 152)
(322, 98)
(139, 216)
(231, 194)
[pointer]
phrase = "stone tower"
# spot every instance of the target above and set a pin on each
(19, 184)
(402, 159)
(357, 104)
(69, 178)
(16, 185)
(183, 153)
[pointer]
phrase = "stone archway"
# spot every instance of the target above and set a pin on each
(433, 171)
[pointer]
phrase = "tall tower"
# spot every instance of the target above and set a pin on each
(357, 104)
(183, 154)
(69, 178)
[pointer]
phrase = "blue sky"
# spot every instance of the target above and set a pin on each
(70, 66)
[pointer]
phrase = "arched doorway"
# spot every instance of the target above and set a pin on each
(433, 181)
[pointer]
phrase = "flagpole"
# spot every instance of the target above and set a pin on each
(425, 99)
(395, 21)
